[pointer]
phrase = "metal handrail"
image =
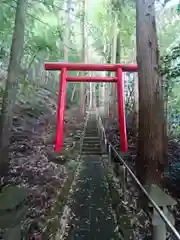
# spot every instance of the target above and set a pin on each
(159, 211)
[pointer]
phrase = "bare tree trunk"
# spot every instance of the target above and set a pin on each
(114, 44)
(149, 162)
(82, 54)
(108, 87)
(118, 48)
(11, 87)
(135, 112)
(67, 30)
(94, 102)
(118, 60)
(114, 52)
(73, 93)
(136, 103)
(91, 95)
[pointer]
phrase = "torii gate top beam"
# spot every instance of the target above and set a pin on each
(89, 67)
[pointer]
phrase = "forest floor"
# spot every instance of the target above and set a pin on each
(33, 170)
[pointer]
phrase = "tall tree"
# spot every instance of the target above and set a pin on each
(116, 7)
(114, 54)
(83, 10)
(150, 148)
(135, 113)
(67, 29)
(135, 109)
(11, 87)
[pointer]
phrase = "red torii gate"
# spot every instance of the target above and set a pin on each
(64, 78)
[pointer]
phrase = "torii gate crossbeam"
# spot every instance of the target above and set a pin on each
(64, 78)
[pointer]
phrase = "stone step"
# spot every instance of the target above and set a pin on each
(91, 145)
(91, 153)
(91, 150)
(90, 138)
(91, 133)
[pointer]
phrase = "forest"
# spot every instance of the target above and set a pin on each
(35, 182)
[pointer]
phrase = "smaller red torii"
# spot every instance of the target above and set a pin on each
(64, 78)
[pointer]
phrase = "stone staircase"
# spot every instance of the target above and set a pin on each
(90, 198)
(91, 143)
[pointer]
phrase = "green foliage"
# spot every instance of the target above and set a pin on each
(170, 70)
(43, 41)
(170, 66)
(102, 26)
(6, 19)
(178, 8)
(168, 23)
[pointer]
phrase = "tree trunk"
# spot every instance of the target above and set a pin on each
(150, 146)
(73, 93)
(135, 103)
(94, 99)
(67, 30)
(118, 60)
(118, 48)
(114, 43)
(113, 60)
(135, 112)
(82, 54)
(108, 87)
(91, 95)
(11, 87)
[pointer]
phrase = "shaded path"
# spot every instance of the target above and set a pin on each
(91, 204)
